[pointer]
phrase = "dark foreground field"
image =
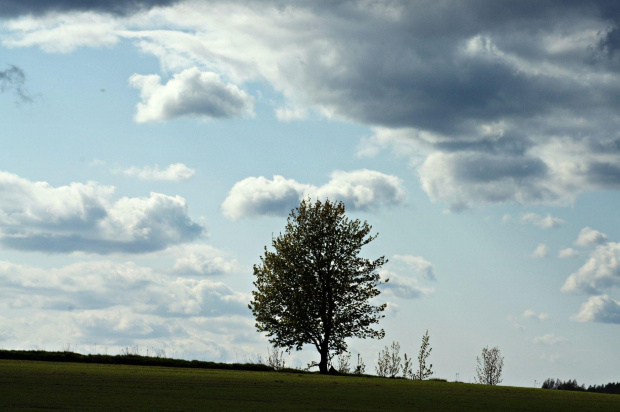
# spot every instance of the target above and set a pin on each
(33, 385)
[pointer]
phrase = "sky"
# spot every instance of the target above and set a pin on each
(151, 149)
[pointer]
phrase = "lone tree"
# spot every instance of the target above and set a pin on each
(489, 369)
(314, 288)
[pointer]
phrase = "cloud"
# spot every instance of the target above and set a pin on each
(189, 93)
(589, 237)
(120, 304)
(289, 114)
(599, 309)
(496, 103)
(530, 314)
(203, 260)
(12, 8)
(63, 33)
(568, 253)
(85, 217)
(600, 272)
(403, 287)
(174, 172)
(14, 79)
(418, 264)
(259, 196)
(105, 284)
(546, 222)
(549, 339)
(359, 190)
(542, 251)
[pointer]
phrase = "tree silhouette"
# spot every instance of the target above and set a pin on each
(314, 288)
(425, 350)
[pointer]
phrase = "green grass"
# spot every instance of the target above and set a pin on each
(34, 385)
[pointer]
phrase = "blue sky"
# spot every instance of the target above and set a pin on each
(149, 153)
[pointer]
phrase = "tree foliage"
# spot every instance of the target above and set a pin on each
(424, 372)
(314, 288)
(389, 361)
(490, 365)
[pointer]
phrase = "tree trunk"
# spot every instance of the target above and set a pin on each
(324, 358)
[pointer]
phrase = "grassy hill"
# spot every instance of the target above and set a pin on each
(36, 385)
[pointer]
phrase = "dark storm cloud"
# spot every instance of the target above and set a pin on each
(422, 71)
(14, 8)
(14, 79)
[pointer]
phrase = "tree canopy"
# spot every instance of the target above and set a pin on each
(314, 288)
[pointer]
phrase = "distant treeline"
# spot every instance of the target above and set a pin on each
(126, 359)
(572, 385)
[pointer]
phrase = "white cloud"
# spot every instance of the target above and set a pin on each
(189, 93)
(530, 314)
(174, 172)
(589, 237)
(418, 264)
(97, 285)
(402, 143)
(568, 253)
(542, 251)
(85, 217)
(257, 196)
(546, 222)
(404, 287)
(115, 305)
(549, 339)
(63, 33)
(359, 190)
(600, 272)
(363, 189)
(599, 309)
(204, 260)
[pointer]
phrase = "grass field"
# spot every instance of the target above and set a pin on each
(34, 385)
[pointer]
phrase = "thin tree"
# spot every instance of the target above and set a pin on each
(314, 288)
(425, 350)
(490, 365)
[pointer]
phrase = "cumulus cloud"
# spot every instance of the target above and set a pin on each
(542, 251)
(418, 264)
(502, 103)
(549, 339)
(359, 190)
(189, 93)
(545, 222)
(85, 217)
(14, 79)
(258, 196)
(174, 172)
(599, 309)
(589, 237)
(568, 253)
(600, 272)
